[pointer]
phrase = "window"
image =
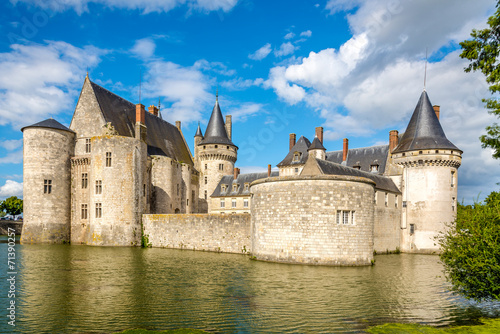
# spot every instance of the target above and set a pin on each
(205, 194)
(396, 201)
(187, 202)
(98, 187)
(296, 171)
(437, 151)
(235, 187)
(221, 166)
(47, 186)
(177, 189)
(453, 204)
(233, 203)
(87, 146)
(223, 188)
(144, 190)
(420, 152)
(204, 146)
(375, 198)
(85, 180)
(98, 210)
(373, 168)
(404, 204)
(206, 166)
(245, 203)
(215, 145)
(108, 159)
(345, 217)
(84, 211)
(412, 229)
(452, 179)
(386, 199)
(247, 186)
(206, 180)
(222, 203)
(296, 156)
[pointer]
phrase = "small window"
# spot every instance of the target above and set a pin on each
(412, 229)
(233, 203)
(339, 213)
(386, 199)
(247, 186)
(84, 211)
(437, 151)
(245, 203)
(222, 203)
(453, 204)
(108, 159)
(345, 217)
(204, 146)
(296, 171)
(421, 162)
(98, 187)
(221, 166)
(396, 201)
(223, 188)
(404, 204)
(87, 146)
(98, 210)
(235, 187)
(206, 166)
(85, 180)
(177, 189)
(228, 147)
(453, 179)
(374, 168)
(47, 186)
(296, 156)
(205, 194)
(403, 154)
(375, 198)
(144, 190)
(187, 202)
(420, 152)
(206, 180)
(216, 146)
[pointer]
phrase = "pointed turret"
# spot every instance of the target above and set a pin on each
(216, 130)
(198, 131)
(424, 130)
(317, 149)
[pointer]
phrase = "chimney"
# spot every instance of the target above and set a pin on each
(436, 110)
(393, 140)
(268, 170)
(319, 134)
(292, 140)
(178, 125)
(153, 110)
(229, 126)
(346, 148)
(236, 172)
(140, 114)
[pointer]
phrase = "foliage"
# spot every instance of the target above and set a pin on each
(12, 205)
(2, 213)
(470, 250)
(483, 51)
(488, 326)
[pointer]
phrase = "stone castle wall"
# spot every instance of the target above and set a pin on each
(294, 220)
(205, 232)
(46, 156)
(387, 222)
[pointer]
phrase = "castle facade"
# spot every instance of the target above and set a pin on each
(117, 164)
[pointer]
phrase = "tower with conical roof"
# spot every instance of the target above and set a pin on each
(429, 181)
(215, 155)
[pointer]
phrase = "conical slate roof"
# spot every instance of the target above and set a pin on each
(300, 146)
(198, 131)
(216, 131)
(424, 130)
(49, 123)
(316, 145)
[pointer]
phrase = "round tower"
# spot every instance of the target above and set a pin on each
(429, 181)
(216, 155)
(48, 148)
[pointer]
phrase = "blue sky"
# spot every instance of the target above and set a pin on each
(354, 67)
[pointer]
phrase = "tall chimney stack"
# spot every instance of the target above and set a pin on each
(319, 134)
(153, 110)
(236, 172)
(229, 126)
(393, 140)
(346, 148)
(268, 170)
(140, 113)
(178, 125)
(292, 140)
(436, 110)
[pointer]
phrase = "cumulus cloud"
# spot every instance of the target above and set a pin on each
(15, 157)
(38, 81)
(147, 6)
(11, 144)
(240, 83)
(373, 81)
(285, 49)
(261, 53)
(11, 188)
(290, 35)
(144, 48)
(307, 33)
(245, 110)
(216, 67)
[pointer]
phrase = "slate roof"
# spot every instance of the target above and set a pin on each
(363, 157)
(162, 138)
(240, 180)
(316, 145)
(198, 131)
(332, 168)
(216, 131)
(301, 146)
(424, 130)
(49, 123)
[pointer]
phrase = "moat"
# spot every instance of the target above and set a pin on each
(81, 289)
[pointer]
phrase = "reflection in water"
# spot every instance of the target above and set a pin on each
(80, 289)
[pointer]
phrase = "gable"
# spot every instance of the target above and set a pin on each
(87, 119)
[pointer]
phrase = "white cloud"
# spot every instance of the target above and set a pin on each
(144, 48)
(41, 80)
(373, 81)
(11, 188)
(307, 33)
(261, 53)
(147, 6)
(240, 83)
(216, 67)
(11, 144)
(15, 157)
(245, 110)
(285, 49)
(290, 35)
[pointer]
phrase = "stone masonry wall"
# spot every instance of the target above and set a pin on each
(294, 220)
(387, 227)
(205, 232)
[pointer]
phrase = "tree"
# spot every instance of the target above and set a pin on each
(483, 51)
(470, 250)
(12, 205)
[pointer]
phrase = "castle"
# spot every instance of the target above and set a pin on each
(119, 170)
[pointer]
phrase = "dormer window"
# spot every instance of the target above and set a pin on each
(357, 165)
(235, 187)
(374, 168)
(223, 187)
(296, 156)
(247, 186)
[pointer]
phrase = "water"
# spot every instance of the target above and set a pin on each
(81, 289)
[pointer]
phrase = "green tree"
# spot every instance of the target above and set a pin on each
(483, 51)
(12, 205)
(470, 250)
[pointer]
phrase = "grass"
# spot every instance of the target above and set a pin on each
(488, 326)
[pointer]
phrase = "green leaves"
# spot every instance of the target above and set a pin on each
(12, 205)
